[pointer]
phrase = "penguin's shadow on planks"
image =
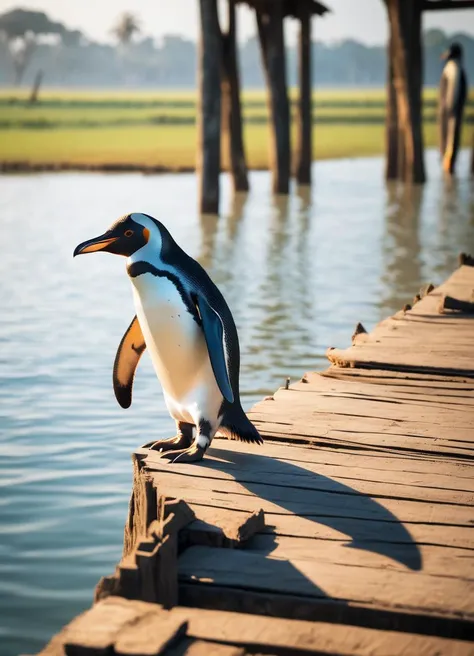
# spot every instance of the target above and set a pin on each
(369, 525)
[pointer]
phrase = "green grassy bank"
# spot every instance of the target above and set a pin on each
(157, 129)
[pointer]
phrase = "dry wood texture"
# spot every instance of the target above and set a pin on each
(404, 85)
(125, 628)
(231, 109)
(305, 112)
(357, 511)
(208, 164)
(272, 45)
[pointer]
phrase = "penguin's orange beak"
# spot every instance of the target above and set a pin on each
(92, 245)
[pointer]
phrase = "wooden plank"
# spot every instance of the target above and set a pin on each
(440, 561)
(150, 635)
(421, 419)
(395, 378)
(207, 477)
(287, 500)
(364, 585)
(339, 382)
(225, 530)
(369, 534)
(379, 436)
(245, 633)
(191, 647)
(94, 632)
(272, 454)
(277, 457)
(413, 341)
(340, 479)
(254, 631)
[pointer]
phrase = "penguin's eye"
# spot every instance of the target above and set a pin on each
(128, 233)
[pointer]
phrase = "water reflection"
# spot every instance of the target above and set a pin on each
(209, 224)
(401, 245)
(234, 216)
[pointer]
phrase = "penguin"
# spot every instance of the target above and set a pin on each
(452, 98)
(186, 325)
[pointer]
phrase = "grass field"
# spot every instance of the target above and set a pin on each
(157, 129)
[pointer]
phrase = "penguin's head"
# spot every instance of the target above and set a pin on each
(126, 236)
(453, 52)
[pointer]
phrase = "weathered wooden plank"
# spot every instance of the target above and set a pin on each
(94, 632)
(224, 530)
(370, 534)
(235, 453)
(284, 500)
(371, 356)
(255, 631)
(324, 610)
(152, 634)
(396, 378)
(413, 341)
(440, 561)
(377, 437)
(291, 462)
(421, 418)
(390, 589)
(191, 647)
(403, 390)
(284, 477)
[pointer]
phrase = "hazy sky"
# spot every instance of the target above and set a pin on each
(361, 19)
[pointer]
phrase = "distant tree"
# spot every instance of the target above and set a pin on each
(72, 38)
(126, 27)
(20, 29)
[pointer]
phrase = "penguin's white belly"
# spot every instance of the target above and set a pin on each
(178, 350)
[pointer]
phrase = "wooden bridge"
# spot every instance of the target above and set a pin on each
(351, 531)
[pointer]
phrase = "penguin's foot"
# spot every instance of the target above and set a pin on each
(195, 453)
(177, 443)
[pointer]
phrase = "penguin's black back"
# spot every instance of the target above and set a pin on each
(234, 418)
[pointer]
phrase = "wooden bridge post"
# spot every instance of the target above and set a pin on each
(209, 109)
(391, 126)
(472, 156)
(305, 109)
(405, 35)
(232, 113)
(272, 45)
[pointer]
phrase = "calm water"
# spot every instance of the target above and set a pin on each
(297, 274)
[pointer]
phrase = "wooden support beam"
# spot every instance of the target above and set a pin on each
(209, 107)
(405, 34)
(231, 109)
(391, 125)
(443, 5)
(272, 45)
(472, 156)
(305, 110)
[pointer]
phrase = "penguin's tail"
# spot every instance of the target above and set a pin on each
(237, 426)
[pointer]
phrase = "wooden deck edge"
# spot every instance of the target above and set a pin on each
(340, 359)
(333, 611)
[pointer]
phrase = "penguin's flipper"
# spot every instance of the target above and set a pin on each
(214, 334)
(128, 355)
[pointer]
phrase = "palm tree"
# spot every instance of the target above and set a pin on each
(127, 25)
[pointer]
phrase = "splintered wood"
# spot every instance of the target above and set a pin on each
(350, 531)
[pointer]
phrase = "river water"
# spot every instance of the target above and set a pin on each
(298, 274)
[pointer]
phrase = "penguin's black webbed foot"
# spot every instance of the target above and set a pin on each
(195, 453)
(177, 443)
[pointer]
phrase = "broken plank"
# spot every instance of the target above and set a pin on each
(362, 533)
